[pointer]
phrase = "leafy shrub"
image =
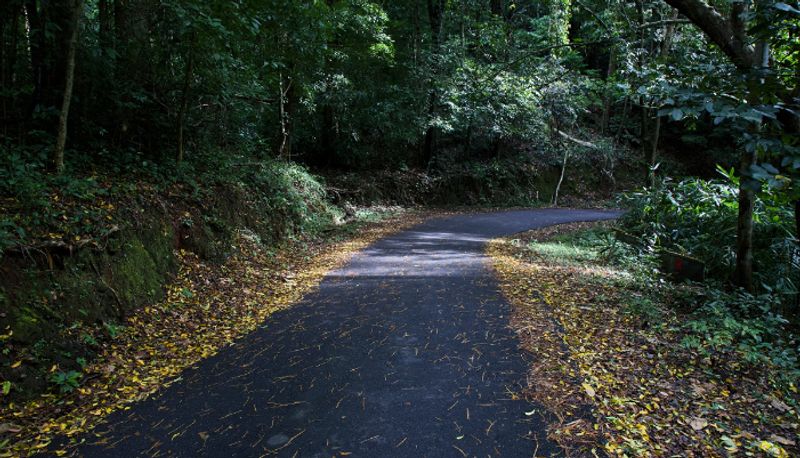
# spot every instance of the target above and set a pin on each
(698, 217)
(113, 329)
(288, 191)
(505, 182)
(66, 381)
(747, 327)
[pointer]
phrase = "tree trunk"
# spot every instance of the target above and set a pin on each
(416, 38)
(105, 39)
(730, 35)
(435, 16)
(743, 275)
(797, 219)
(496, 6)
(560, 14)
(7, 13)
(121, 61)
(468, 140)
(187, 79)
(120, 21)
(12, 66)
(561, 178)
(286, 105)
(621, 126)
(328, 141)
(4, 68)
(11, 77)
(328, 134)
(430, 132)
(643, 114)
(651, 160)
(36, 45)
(669, 32)
(57, 158)
(8, 57)
(644, 121)
(606, 117)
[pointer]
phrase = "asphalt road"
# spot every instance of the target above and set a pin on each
(405, 351)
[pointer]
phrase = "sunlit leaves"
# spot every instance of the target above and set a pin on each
(786, 7)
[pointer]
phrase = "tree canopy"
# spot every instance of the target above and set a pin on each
(360, 84)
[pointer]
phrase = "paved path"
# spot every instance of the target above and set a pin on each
(405, 351)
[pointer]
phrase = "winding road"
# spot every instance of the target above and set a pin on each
(404, 351)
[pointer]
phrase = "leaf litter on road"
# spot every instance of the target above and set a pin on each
(207, 307)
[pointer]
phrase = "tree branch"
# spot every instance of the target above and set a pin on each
(577, 140)
(649, 25)
(720, 31)
(594, 15)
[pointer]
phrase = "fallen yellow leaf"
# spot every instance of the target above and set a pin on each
(589, 390)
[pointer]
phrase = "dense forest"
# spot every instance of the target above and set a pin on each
(431, 85)
(142, 138)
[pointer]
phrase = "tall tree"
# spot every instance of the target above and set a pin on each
(57, 159)
(730, 33)
(436, 10)
(188, 74)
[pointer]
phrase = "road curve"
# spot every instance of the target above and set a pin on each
(404, 351)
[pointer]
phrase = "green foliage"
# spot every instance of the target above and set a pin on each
(573, 248)
(75, 208)
(718, 323)
(351, 83)
(735, 329)
(290, 191)
(698, 217)
(39, 206)
(88, 339)
(112, 329)
(512, 181)
(748, 327)
(292, 199)
(66, 382)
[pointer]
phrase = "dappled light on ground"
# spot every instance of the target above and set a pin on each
(207, 308)
(403, 350)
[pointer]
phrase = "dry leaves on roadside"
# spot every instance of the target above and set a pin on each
(632, 392)
(206, 308)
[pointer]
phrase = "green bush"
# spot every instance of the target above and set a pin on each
(290, 195)
(509, 181)
(698, 217)
(747, 327)
(66, 382)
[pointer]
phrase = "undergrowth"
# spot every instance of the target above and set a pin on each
(695, 369)
(36, 206)
(699, 217)
(718, 324)
(83, 250)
